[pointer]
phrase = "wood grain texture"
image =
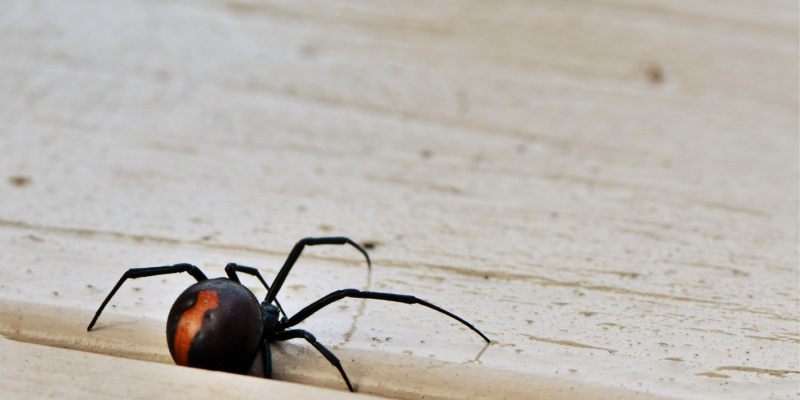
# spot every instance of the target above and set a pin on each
(608, 189)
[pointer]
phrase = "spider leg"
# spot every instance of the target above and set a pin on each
(232, 268)
(267, 353)
(295, 254)
(301, 334)
(355, 293)
(134, 273)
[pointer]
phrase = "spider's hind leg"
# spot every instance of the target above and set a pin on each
(134, 273)
(232, 268)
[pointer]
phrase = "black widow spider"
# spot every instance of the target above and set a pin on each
(217, 324)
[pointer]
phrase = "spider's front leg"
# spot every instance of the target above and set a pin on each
(134, 273)
(266, 364)
(301, 334)
(358, 294)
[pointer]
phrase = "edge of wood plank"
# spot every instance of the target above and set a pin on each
(389, 375)
(32, 371)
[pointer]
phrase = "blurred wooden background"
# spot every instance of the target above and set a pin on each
(607, 188)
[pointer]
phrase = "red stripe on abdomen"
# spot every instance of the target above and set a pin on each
(190, 323)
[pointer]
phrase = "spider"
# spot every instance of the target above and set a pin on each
(218, 324)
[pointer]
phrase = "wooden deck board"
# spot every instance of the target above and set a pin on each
(608, 189)
(41, 372)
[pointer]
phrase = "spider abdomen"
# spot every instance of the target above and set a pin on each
(215, 324)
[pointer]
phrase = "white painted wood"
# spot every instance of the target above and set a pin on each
(609, 189)
(40, 372)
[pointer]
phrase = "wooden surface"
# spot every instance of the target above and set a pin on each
(608, 189)
(78, 375)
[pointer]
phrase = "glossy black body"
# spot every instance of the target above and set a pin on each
(229, 335)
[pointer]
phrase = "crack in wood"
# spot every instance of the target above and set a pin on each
(568, 343)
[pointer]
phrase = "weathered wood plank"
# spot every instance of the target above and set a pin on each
(41, 372)
(608, 188)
